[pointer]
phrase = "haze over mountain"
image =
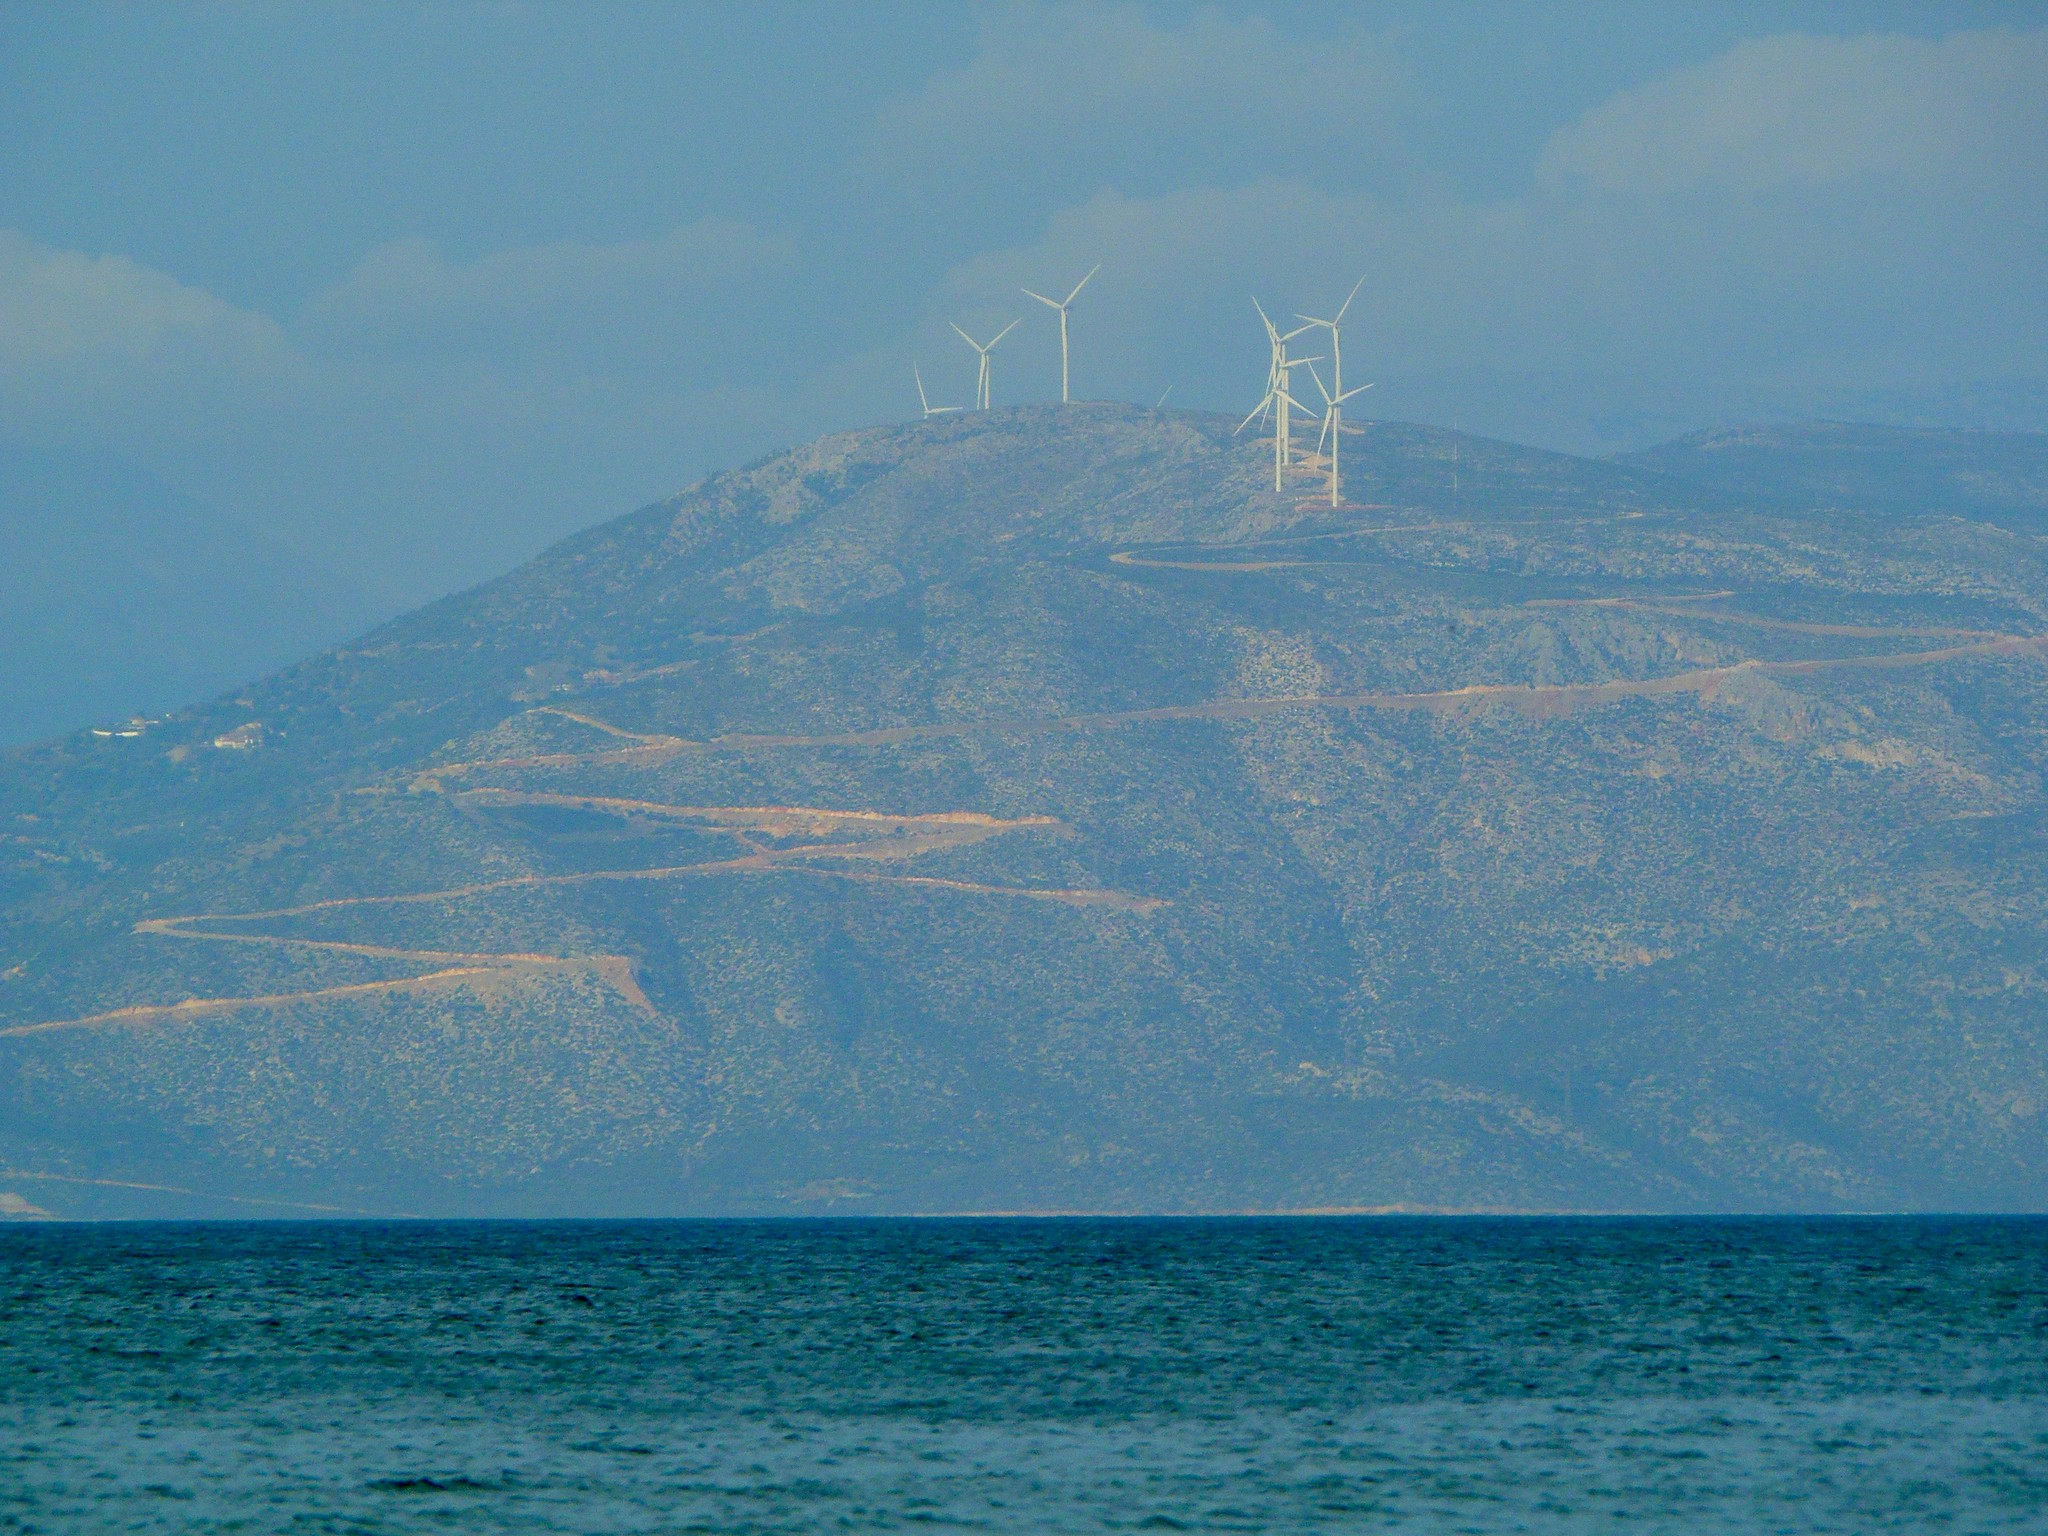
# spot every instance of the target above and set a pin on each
(1994, 477)
(1035, 810)
(123, 596)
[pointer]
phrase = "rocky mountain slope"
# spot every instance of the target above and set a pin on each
(1034, 811)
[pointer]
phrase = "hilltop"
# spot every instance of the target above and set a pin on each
(1033, 810)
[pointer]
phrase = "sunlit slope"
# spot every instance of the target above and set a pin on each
(1036, 811)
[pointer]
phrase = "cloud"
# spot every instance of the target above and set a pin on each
(1084, 97)
(427, 419)
(582, 307)
(1810, 217)
(1810, 254)
(85, 336)
(1797, 111)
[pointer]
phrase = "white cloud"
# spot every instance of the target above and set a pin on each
(1803, 111)
(1083, 95)
(590, 307)
(430, 419)
(1827, 215)
(1782, 222)
(84, 335)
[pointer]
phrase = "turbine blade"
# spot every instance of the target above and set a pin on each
(1315, 320)
(1048, 303)
(1257, 411)
(1004, 332)
(1326, 430)
(921, 400)
(1321, 388)
(1351, 295)
(1350, 392)
(1080, 285)
(966, 338)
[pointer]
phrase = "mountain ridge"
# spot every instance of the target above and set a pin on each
(1036, 811)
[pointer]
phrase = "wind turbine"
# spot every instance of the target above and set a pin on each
(930, 410)
(1336, 341)
(1272, 367)
(981, 378)
(1061, 306)
(1335, 396)
(1333, 425)
(1277, 398)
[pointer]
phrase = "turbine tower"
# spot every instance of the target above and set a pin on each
(1333, 426)
(930, 410)
(1336, 340)
(1278, 399)
(981, 378)
(1335, 396)
(1061, 306)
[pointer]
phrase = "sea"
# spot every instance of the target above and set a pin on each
(1286, 1375)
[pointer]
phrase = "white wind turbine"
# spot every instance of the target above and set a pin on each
(930, 410)
(1278, 399)
(1061, 306)
(1334, 396)
(1336, 341)
(1333, 426)
(981, 378)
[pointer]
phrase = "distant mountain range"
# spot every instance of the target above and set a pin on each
(1995, 477)
(1034, 810)
(122, 596)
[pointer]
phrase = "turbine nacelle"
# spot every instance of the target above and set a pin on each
(1333, 324)
(981, 382)
(984, 348)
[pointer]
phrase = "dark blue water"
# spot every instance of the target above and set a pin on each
(1300, 1375)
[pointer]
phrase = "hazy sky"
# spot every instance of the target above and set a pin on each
(421, 287)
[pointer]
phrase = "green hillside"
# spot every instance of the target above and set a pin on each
(1033, 810)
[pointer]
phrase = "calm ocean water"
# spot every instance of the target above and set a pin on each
(1288, 1375)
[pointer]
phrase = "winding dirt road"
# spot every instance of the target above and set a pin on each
(854, 838)
(864, 837)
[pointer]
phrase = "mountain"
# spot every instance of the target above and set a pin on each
(124, 597)
(1993, 477)
(1034, 810)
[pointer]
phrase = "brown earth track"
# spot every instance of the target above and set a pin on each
(1544, 699)
(199, 1007)
(1536, 699)
(1673, 605)
(1141, 560)
(901, 837)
